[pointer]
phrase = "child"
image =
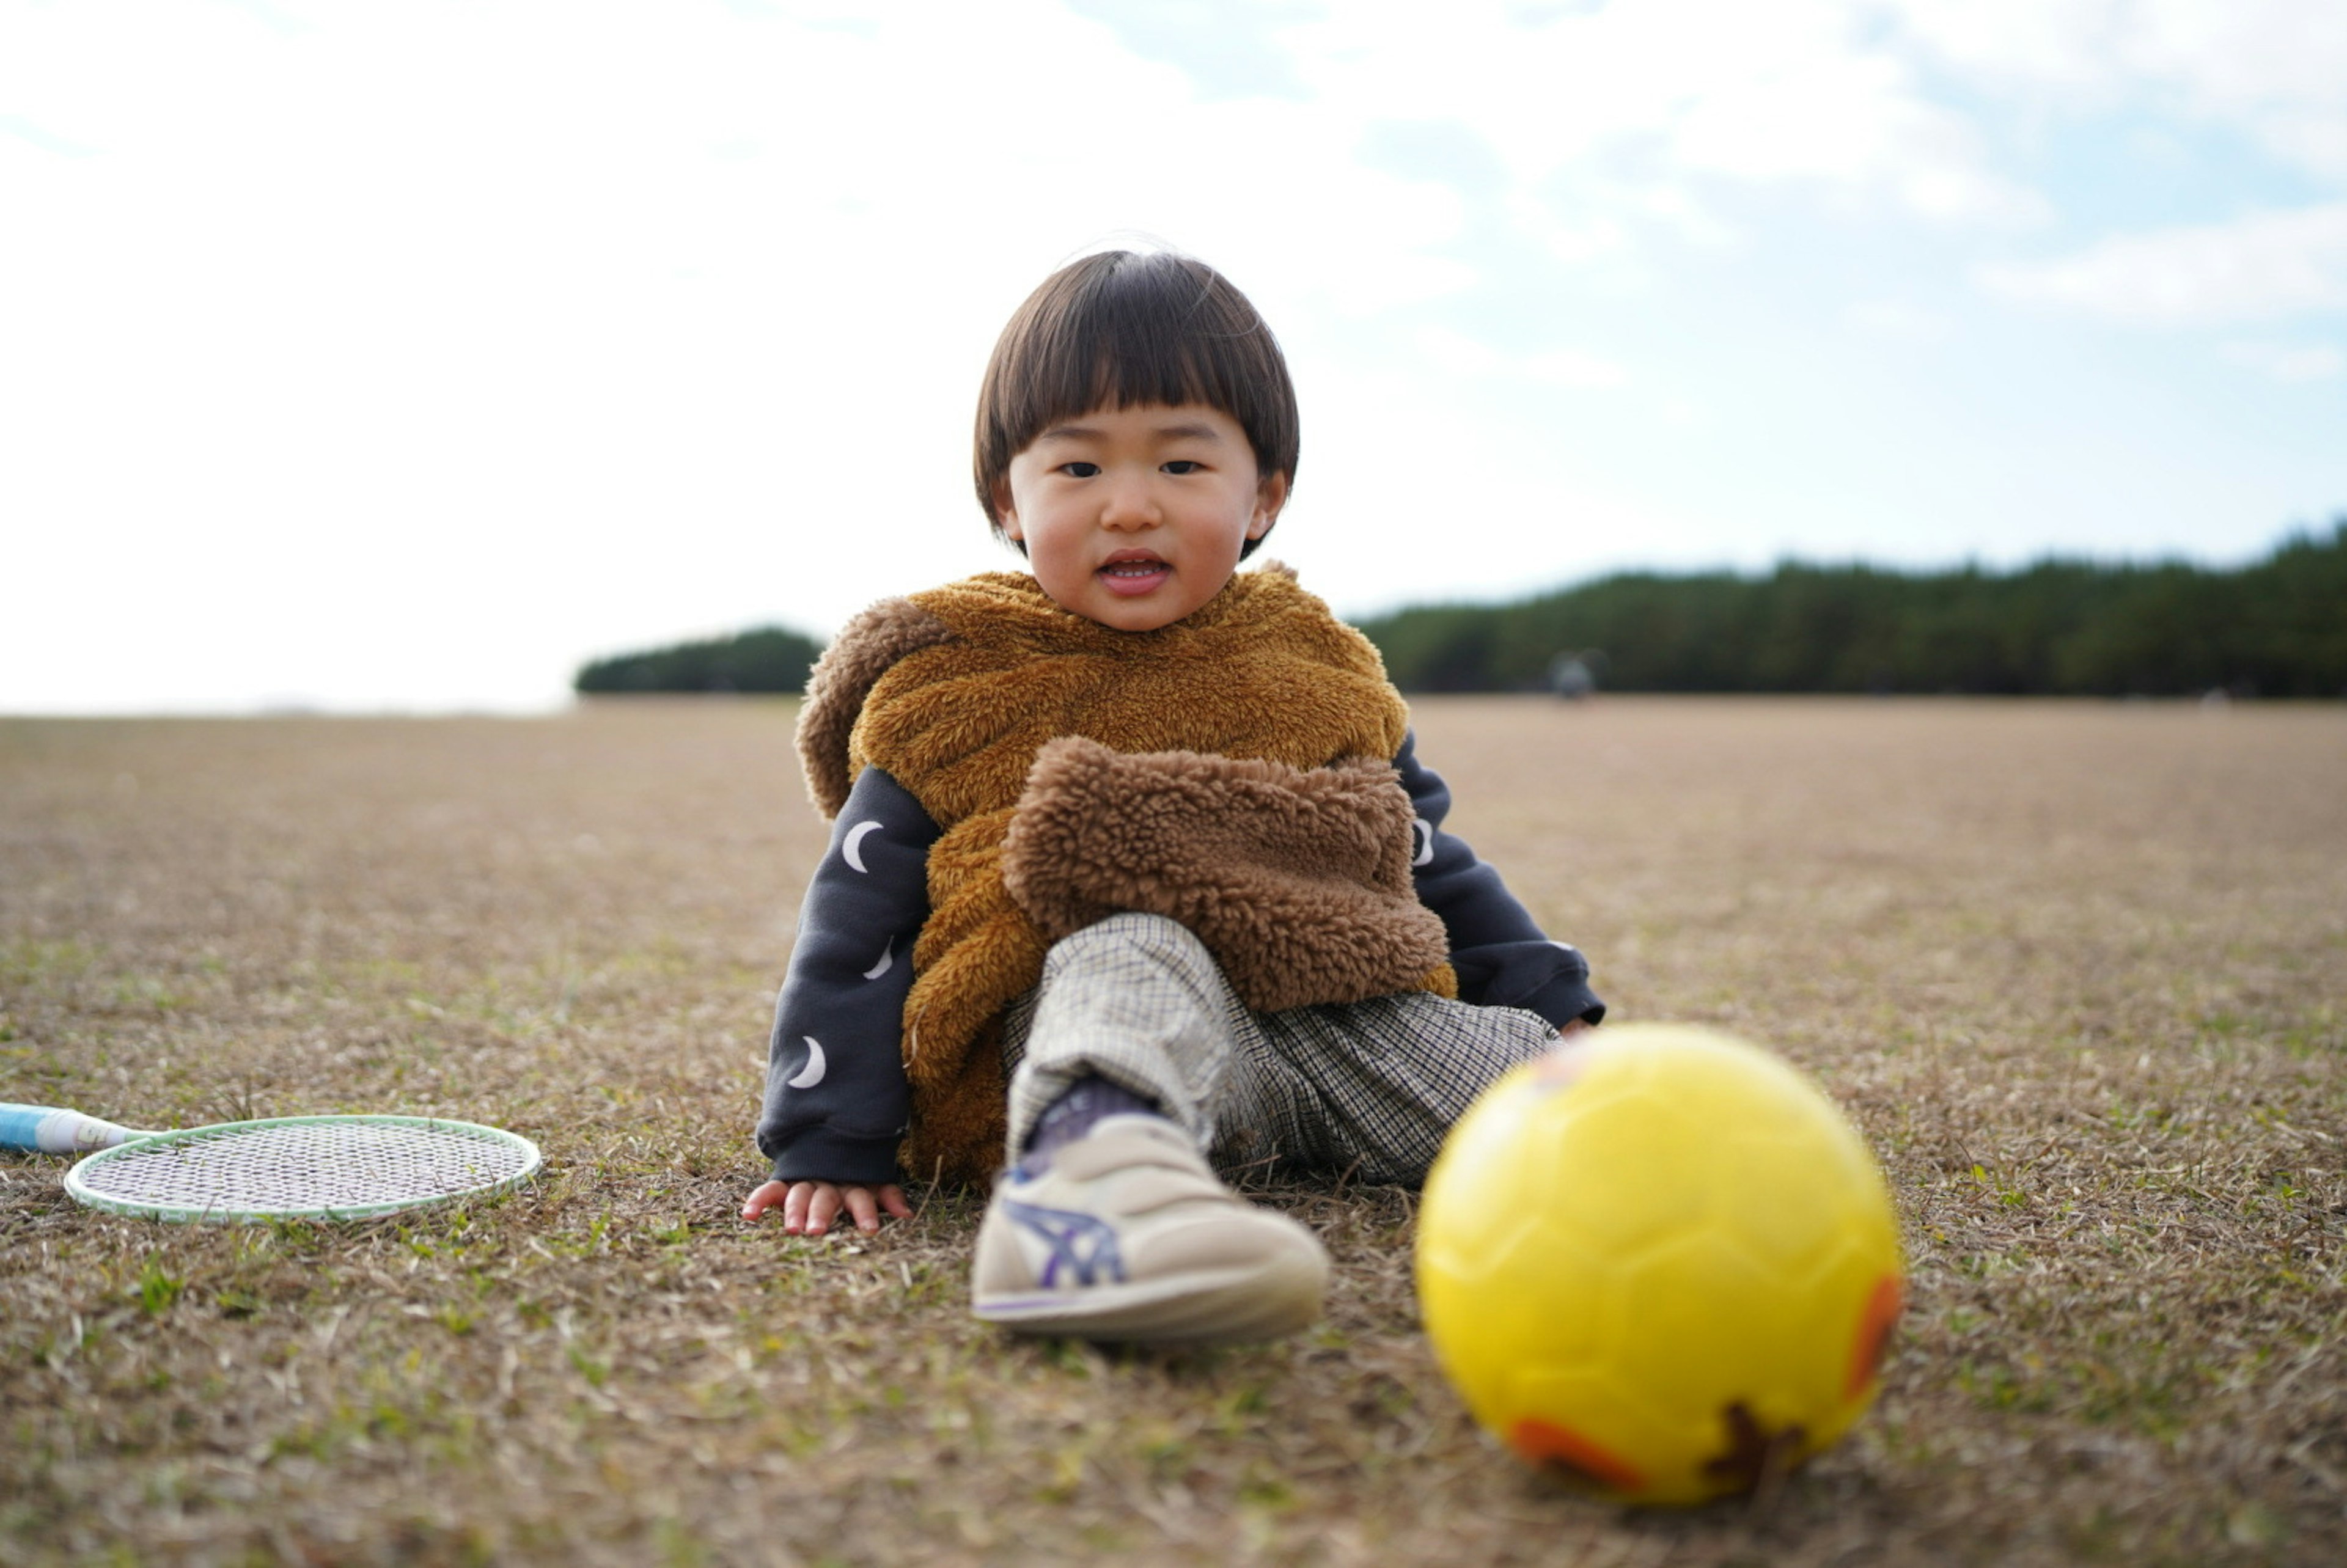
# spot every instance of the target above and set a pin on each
(1134, 865)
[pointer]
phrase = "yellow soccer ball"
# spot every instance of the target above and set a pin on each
(1662, 1261)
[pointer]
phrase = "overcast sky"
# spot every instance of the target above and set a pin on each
(401, 355)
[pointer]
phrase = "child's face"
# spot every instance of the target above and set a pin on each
(1135, 517)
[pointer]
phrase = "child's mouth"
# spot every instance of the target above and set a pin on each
(1135, 577)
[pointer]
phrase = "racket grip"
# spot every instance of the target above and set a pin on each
(51, 1129)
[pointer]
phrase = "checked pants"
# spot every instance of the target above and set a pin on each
(1370, 1087)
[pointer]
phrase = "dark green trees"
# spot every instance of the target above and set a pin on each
(2277, 628)
(770, 659)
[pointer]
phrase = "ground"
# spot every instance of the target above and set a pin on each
(2074, 969)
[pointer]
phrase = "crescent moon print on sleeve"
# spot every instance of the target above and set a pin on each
(836, 1096)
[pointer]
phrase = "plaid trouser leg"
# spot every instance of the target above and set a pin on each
(1370, 1086)
(1135, 1000)
(1374, 1086)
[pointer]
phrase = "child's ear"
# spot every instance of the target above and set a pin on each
(1270, 494)
(1005, 513)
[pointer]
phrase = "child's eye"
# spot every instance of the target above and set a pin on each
(1183, 465)
(1079, 470)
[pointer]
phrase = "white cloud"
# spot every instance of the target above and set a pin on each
(2314, 139)
(1854, 123)
(1573, 239)
(1896, 320)
(2288, 362)
(1456, 354)
(2064, 44)
(2240, 56)
(2271, 67)
(1580, 372)
(1651, 97)
(2265, 266)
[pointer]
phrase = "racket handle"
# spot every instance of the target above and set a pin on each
(50, 1129)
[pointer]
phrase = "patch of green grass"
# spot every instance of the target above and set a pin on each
(594, 1368)
(27, 962)
(159, 1290)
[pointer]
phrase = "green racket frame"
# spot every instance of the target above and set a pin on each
(507, 1161)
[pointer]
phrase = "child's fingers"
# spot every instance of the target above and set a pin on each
(809, 1207)
(794, 1208)
(822, 1208)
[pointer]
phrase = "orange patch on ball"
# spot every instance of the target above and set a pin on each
(1883, 1309)
(1545, 1443)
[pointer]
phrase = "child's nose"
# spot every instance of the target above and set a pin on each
(1130, 502)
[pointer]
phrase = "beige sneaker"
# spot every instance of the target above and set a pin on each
(1128, 1236)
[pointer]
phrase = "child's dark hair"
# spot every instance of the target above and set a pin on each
(1122, 328)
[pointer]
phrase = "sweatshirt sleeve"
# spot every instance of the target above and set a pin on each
(837, 1100)
(1503, 960)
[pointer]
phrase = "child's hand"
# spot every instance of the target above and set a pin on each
(809, 1207)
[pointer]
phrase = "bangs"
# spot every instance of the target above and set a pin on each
(1113, 348)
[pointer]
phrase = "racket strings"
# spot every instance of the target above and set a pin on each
(307, 1167)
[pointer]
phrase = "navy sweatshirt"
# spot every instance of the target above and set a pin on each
(837, 1098)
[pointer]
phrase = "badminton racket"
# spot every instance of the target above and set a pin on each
(282, 1167)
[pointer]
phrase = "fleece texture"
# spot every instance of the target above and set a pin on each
(1298, 880)
(954, 693)
(836, 687)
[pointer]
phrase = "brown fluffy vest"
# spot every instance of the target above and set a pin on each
(1231, 770)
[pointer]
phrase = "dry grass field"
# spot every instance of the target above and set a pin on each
(2076, 969)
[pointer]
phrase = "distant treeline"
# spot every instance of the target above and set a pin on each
(2277, 628)
(771, 659)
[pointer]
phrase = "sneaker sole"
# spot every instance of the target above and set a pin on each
(1226, 1307)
